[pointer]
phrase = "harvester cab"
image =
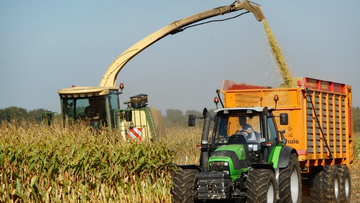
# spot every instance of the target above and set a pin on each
(93, 104)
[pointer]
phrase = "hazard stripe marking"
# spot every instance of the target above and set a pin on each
(134, 133)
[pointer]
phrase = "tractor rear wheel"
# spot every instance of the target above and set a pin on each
(290, 187)
(345, 184)
(184, 186)
(261, 186)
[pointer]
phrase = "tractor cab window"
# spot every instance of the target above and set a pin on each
(271, 129)
(239, 124)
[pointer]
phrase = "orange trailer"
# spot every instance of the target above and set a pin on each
(320, 119)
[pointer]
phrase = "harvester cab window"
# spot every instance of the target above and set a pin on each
(114, 104)
(81, 105)
(75, 108)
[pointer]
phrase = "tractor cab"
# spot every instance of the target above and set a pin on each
(253, 128)
(95, 105)
(244, 143)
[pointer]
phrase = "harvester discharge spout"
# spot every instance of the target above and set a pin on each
(253, 8)
(109, 78)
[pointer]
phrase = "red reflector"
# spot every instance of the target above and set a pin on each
(268, 144)
(198, 146)
(302, 151)
(121, 86)
(276, 97)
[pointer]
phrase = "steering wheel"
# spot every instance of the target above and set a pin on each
(244, 132)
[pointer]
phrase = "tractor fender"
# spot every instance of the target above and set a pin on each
(284, 157)
(193, 166)
(264, 166)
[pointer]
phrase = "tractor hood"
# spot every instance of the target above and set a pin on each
(230, 159)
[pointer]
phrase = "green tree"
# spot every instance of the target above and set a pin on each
(36, 114)
(13, 112)
(21, 113)
(174, 117)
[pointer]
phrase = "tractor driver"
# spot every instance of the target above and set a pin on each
(246, 129)
(92, 112)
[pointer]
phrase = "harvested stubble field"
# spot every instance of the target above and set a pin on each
(39, 163)
(355, 170)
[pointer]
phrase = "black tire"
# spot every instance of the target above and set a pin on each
(184, 186)
(315, 190)
(261, 186)
(345, 184)
(290, 187)
(331, 184)
(326, 186)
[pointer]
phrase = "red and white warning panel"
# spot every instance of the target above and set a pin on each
(134, 133)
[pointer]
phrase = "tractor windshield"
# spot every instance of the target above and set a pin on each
(245, 127)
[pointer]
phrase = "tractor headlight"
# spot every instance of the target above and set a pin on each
(219, 166)
(253, 147)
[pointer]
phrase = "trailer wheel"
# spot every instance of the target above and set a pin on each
(184, 186)
(326, 185)
(315, 190)
(331, 184)
(345, 184)
(290, 187)
(261, 186)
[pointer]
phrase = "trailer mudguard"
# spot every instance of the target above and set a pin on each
(284, 157)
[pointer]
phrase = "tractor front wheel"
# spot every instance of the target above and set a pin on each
(184, 186)
(261, 186)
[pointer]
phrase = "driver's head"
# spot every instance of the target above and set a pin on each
(242, 120)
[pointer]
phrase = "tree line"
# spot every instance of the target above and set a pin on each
(21, 113)
(172, 118)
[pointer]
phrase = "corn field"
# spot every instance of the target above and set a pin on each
(40, 163)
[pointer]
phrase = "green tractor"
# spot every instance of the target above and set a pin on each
(243, 159)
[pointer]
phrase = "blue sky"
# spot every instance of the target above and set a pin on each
(49, 45)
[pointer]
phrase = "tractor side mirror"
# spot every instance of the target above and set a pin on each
(128, 115)
(284, 119)
(191, 120)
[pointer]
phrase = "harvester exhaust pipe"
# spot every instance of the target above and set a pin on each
(204, 141)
